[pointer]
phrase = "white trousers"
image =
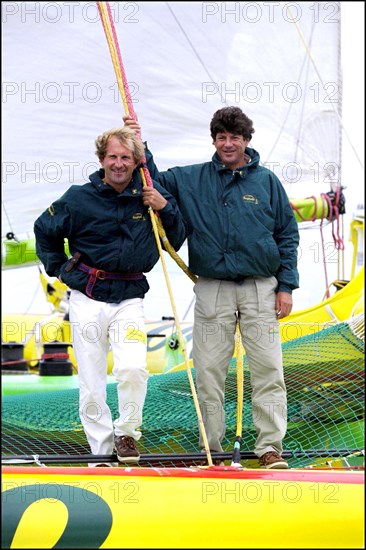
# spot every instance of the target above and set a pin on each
(97, 327)
(217, 305)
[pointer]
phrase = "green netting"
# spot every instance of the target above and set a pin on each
(324, 375)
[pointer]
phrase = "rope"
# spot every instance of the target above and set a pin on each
(46, 356)
(210, 76)
(306, 46)
(10, 235)
(17, 361)
(338, 240)
(324, 214)
(240, 396)
(109, 29)
(330, 210)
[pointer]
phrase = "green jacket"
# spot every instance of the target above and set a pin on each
(240, 223)
(112, 231)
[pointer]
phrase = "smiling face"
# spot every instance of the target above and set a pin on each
(118, 164)
(231, 149)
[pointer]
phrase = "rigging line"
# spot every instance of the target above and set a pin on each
(341, 260)
(115, 55)
(223, 100)
(124, 89)
(109, 28)
(285, 120)
(32, 300)
(7, 216)
(327, 286)
(108, 25)
(288, 5)
(339, 248)
(240, 394)
(303, 103)
(189, 307)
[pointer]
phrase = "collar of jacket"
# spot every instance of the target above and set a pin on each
(252, 160)
(133, 188)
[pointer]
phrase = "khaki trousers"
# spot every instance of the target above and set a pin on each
(218, 304)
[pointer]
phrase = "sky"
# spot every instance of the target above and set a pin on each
(21, 290)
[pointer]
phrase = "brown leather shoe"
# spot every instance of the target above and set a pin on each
(126, 449)
(274, 460)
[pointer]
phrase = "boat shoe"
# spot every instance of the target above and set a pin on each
(126, 449)
(272, 459)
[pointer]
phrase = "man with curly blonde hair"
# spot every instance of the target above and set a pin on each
(111, 240)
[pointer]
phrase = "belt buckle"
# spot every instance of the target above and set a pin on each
(100, 274)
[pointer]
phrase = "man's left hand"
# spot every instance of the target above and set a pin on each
(283, 305)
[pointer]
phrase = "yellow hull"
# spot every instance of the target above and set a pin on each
(181, 508)
(341, 306)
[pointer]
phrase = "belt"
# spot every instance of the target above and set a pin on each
(102, 275)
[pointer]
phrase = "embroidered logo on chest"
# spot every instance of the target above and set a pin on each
(250, 198)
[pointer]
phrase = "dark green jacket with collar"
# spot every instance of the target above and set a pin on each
(240, 223)
(112, 231)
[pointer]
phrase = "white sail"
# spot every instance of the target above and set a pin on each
(279, 62)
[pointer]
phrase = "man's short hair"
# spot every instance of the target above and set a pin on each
(126, 136)
(233, 120)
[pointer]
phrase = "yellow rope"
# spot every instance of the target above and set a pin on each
(239, 380)
(182, 343)
(240, 395)
(157, 232)
(113, 51)
(168, 247)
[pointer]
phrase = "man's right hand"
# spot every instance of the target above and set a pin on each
(132, 123)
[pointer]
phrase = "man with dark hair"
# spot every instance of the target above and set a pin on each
(231, 119)
(111, 239)
(242, 244)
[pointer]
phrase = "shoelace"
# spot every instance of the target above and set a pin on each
(271, 454)
(129, 442)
